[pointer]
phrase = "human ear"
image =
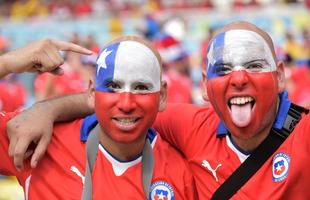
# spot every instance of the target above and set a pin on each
(280, 76)
(163, 96)
(91, 94)
(204, 87)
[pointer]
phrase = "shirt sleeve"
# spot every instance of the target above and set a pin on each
(6, 165)
(183, 125)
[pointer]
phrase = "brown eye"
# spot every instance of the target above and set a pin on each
(113, 86)
(141, 88)
(254, 67)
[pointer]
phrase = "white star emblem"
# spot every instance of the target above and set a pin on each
(279, 168)
(101, 60)
(161, 196)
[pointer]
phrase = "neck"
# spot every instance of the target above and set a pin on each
(250, 144)
(122, 151)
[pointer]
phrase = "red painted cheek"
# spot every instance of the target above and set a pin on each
(111, 105)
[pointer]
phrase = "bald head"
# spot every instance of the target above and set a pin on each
(130, 60)
(242, 25)
(139, 40)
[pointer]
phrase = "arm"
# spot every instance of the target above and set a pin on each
(39, 56)
(36, 125)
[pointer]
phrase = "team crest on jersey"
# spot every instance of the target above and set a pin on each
(280, 166)
(161, 190)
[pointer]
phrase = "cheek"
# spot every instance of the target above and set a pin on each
(149, 104)
(216, 89)
(266, 86)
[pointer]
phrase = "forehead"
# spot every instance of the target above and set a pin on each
(136, 61)
(128, 62)
(239, 45)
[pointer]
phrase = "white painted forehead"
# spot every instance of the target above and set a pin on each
(240, 45)
(137, 62)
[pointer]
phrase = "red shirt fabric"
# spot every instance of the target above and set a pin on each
(12, 96)
(192, 130)
(60, 174)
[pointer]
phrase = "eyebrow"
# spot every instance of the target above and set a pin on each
(146, 82)
(256, 60)
(218, 63)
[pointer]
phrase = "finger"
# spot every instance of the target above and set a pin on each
(54, 55)
(68, 46)
(46, 62)
(13, 141)
(39, 152)
(57, 71)
(19, 152)
(28, 154)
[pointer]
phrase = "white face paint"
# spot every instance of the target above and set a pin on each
(237, 50)
(128, 66)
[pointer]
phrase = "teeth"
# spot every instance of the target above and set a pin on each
(240, 100)
(126, 120)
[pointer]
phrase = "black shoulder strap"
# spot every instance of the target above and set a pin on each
(251, 165)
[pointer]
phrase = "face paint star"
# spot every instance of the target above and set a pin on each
(101, 60)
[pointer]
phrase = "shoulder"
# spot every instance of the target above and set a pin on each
(166, 153)
(69, 131)
(190, 110)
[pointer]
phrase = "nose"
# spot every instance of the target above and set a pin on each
(126, 102)
(239, 79)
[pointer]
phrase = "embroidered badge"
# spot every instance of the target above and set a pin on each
(161, 190)
(280, 167)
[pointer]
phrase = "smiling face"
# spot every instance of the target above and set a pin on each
(242, 81)
(128, 85)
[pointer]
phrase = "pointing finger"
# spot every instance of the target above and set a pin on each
(68, 46)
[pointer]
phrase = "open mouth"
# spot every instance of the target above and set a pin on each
(126, 123)
(241, 110)
(240, 101)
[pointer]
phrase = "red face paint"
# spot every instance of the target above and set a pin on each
(246, 102)
(125, 117)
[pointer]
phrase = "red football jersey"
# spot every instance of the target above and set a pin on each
(12, 96)
(213, 159)
(179, 88)
(60, 174)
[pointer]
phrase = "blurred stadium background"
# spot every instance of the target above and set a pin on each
(180, 29)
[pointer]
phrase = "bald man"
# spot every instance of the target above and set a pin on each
(127, 94)
(245, 85)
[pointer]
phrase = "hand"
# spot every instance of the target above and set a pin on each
(31, 126)
(39, 56)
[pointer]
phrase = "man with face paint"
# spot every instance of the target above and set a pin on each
(126, 95)
(245, 85)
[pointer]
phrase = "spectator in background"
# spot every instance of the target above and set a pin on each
(27, 8)
(12, 93)
(82, 8)
(91, 43)
(176, 69)
(62, 9)
(48, 86)
(306, 45)
(292, 48)
(4, 44)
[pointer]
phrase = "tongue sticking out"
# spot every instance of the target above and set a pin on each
(241, 114)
